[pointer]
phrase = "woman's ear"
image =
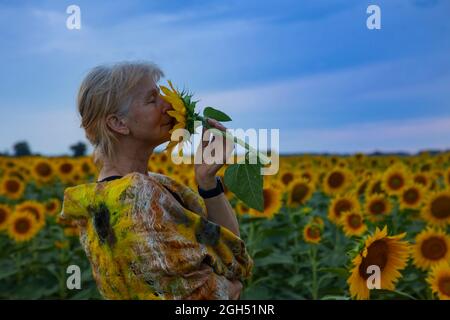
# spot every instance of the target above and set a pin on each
(117, 124)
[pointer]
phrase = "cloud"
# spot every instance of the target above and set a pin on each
(410, 135)
(49, 131)
(346, 90)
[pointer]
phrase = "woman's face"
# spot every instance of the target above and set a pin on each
(147, 118)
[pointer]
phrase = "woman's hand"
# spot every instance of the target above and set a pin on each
(205, 173)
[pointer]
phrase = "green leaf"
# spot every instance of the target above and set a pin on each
(246, 182)
(215, 114)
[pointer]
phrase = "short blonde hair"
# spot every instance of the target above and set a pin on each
(108, 89)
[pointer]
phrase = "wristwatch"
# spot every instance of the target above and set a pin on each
(205, 194)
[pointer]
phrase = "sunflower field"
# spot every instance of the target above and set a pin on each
(327, 221)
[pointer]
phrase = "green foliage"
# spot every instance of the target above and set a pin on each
(37, 269)
(218, 115)
(246, 182)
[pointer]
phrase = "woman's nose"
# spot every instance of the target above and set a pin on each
(165, 106)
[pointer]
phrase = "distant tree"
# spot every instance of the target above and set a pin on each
(79, 149)
(22, 148)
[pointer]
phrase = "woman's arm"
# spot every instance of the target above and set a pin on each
(218, 208)
(220, 211)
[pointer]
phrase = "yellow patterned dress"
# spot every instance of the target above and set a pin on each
(143, 243)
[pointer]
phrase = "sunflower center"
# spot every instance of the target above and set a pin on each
(440, 207)
(354, 221)
(313, 232)
(335, 180)
(299, 193)
(50, 206)
(286, 178)
(66, 168)
(307, 176)
(434, 248)
(267, 198)
(341, 206)
(43, 170)
(421, 180)
(377, 207)
(411, 196)
(377, 254)
(22, 225)
(396, 182)
(85, 168)
(12, 186)
(2, 216)
(444, 286)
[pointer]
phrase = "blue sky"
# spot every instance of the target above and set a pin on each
(310, 68)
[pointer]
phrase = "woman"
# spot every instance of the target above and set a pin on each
(147, 236)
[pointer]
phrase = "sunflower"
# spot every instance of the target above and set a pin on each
(35, 208)
(395, 179)
(183, 111)
(375, 186)
(309, 176)
(439, 280)
(65, 169)
(341, 203)
(88, 167)
(53, 206)
(299, 192)
(12, 188)
(286, 177)
(432, 247)
(337, 180)
(312, 233)
(352, 223)
(5, 214)
(423, 179)
(377, 206)
(412, 196)
(43, 170)
(22, 226)
(437, 208)
(272, 203)
(389, 253)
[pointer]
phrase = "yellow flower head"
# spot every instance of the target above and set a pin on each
(388, 253)
(439, 280)
(312, 232)
(352, 223)
(431, 248)
(183, 111)
(437, 208)
(22, 226)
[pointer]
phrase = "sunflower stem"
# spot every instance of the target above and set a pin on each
(263, 158)
(313, 258)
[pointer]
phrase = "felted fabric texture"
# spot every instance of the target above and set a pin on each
(144, 244)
